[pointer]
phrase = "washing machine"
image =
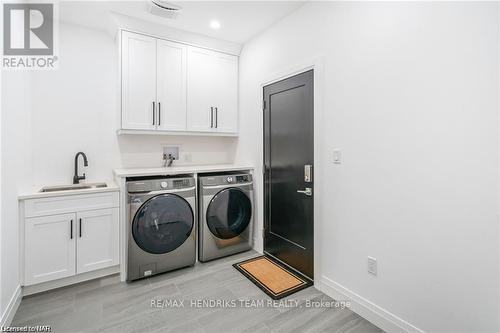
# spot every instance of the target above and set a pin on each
(226, 215)
(161, 225)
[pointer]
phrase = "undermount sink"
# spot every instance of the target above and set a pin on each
(72, 187)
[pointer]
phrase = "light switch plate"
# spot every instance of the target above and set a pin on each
(337, 156)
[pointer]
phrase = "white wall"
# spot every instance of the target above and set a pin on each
(410, 96)
(1, 186)
(15, 174)
(17, 167)
(76, 108)
(498, 157)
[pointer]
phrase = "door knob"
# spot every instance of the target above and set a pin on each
(308, 191)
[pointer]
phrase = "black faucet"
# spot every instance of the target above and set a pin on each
(76, 178)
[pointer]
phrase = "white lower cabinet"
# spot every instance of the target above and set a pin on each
(50, 251)
(69, 243)
(97, 239)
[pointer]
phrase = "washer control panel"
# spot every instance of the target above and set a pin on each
(147, 184)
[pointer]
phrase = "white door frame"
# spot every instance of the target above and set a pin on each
(316, 64)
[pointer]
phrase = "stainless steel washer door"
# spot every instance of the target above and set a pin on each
(229, 213)
(162, 224)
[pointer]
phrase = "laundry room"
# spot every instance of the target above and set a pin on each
(249, 166)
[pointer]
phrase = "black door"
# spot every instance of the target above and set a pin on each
(288, 180)
(229, 213)
(162, 224)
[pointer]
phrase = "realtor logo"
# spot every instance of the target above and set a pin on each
(28, 36)
(28, 29)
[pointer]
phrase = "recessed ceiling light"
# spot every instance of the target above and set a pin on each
(214, 24)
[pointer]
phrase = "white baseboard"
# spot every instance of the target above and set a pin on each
(10, 311)
(366, 309)
(45, 286)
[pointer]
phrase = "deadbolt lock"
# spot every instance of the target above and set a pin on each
(308, 173)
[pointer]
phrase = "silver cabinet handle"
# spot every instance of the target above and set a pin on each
(216, 118)
(154, 122)
(159, 113)
(211, 117)
(308, 191)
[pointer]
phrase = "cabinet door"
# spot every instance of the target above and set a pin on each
(138, 81)
(171, 86)
(201, 71)
(97, 239)
(49, 248)
(225, 90)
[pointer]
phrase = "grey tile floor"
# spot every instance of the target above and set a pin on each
(108, 305)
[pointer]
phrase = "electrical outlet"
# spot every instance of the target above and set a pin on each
(372, 266)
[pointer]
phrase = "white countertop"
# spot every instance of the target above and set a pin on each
(176, 170)
(36, 194)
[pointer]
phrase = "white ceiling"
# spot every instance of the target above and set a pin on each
(240, 20)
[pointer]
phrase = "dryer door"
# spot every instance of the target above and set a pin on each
(229, 213)
(162, 223)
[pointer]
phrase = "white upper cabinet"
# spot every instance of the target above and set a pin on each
(226, 93)
(212, 91)
(201, 99)
(138, 81)
(172, 87)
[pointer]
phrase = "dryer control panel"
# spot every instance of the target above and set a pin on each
(226, 179)
(238, 179)
(243, 178)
